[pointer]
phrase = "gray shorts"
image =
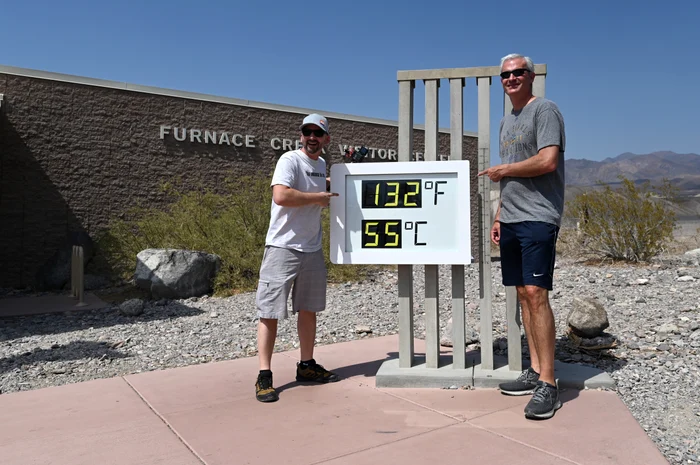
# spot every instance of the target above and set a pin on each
(282, 268)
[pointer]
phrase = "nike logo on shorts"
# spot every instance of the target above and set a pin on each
(537, 275)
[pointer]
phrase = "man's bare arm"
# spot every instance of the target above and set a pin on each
(546, 161)
(287, 197)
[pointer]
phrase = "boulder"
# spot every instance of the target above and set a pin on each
(176, 274)
(693, 253)
(588, 317)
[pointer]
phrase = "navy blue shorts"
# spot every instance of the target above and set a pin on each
(528, 250)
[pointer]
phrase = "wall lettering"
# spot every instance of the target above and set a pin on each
(276, 143)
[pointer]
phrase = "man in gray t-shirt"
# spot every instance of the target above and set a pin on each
(532, 144)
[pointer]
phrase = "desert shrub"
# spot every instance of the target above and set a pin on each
(630, 222)
(232, 225)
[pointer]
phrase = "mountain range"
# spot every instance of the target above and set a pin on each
(682, 169)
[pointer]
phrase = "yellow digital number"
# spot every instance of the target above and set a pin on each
(371, 234)
(394, 194)
(416, 185)
(376, 195)
(391, 234)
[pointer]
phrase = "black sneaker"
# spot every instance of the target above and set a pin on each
(545, 401)
(524, 384)
(312, 371)
(264, 391)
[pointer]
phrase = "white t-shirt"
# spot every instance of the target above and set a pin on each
(297, 228)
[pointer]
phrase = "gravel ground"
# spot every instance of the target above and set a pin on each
(654, 314)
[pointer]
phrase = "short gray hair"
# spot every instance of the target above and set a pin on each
(513, 56)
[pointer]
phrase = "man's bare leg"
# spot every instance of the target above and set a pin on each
(542, 331)
(525, 314)
(267, 333)
(306, 328)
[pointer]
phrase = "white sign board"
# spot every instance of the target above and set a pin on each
(401, 213)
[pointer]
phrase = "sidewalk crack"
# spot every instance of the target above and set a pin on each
(165, 422)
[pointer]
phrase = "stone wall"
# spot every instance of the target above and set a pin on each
(75, 156)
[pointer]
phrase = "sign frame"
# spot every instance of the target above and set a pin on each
(341, 206)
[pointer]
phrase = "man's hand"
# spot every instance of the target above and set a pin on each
(496, 232)
(495, 173)
(324, 198)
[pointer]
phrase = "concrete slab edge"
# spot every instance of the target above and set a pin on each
(570, 376)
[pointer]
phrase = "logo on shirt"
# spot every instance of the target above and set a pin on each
(517, 143)
(315, 175)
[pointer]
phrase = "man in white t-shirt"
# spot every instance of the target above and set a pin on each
(293, 259)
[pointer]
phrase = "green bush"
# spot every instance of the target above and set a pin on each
(631, 222)
(232, 225)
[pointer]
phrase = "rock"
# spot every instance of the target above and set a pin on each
(666, 329)
(470, 336)
(588, 317)
(642, 281)
(446, 339)
(176, 274)
(363, 330)
(685, 279)
(694, 253)
(132, 307)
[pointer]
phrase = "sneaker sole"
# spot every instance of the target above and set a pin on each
(517, 393)
(544, 416)
(322, 381)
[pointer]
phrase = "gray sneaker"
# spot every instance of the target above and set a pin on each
(544, 402)
(523, 385)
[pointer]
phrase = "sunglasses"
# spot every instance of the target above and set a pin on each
(516, 72)
(316, 132)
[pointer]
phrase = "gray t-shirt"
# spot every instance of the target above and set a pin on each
(297, 228)
(522, 134)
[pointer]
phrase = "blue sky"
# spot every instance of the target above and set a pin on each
(623, 73)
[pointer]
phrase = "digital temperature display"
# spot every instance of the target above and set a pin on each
(381, 233)
(391, 194)
(401, 213)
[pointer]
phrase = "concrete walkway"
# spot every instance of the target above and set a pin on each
(207, 414)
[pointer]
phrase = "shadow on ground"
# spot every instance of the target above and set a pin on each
(15, 327)
(74, 350)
